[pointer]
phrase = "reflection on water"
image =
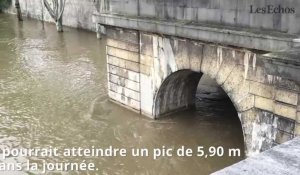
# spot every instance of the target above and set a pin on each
(53, 93)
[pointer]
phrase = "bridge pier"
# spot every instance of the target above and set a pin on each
(158, 74)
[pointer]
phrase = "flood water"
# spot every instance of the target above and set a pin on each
(53, 93)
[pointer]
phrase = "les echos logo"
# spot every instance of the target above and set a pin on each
(271, 9)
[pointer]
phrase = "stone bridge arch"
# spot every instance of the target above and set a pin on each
(177, 92)
(143, 67)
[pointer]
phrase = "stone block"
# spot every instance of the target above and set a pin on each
(246, 103)
(195, 55)
(262, 90)
(130, 36)
(122, 72)
(209, 15)
(124, 54)
(180, 48)
(124, 100)
(147, 9)
(297, 129)
(284, 110)
(284, 124)
(286, 96)
(211, 61)
(145, 69)
(229, 63)
(122, 45)
(282, 137)
(236, 86)
(124, 91)
(266, 117)
(264, 103)
(146, 44)
(228, 16)
(147, 94)
(298, 106)
(258, 75)
(146, 60)
(287, 84)
(298, 117)
(133, 66)
(116, 61)
(124, 82)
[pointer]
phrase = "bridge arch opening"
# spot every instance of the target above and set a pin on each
(177, 93)
(180, 91)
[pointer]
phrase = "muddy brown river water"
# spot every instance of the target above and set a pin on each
(53, 93)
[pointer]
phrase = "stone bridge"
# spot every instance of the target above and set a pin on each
(157, 52)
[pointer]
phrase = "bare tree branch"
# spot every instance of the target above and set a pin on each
(51, 12)
(62, 8)
(56, 11)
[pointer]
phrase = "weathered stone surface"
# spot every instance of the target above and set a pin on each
(297, 129)
(259, 75)
(124, 100)
(267, 118)
(264, 103)
(257, 134)
(210, 63)
(236, 81)
(129, 65)
(131, 75)
(284, 124)
(262, 90)
(195, 51)
(252, 39)
(124, 91)
(122, 45)
(180, 48)
(165, 78)
(176, 93)
(217, 12)
(285, 110)
(246, 103)
(275, 68)
(282, 159)
(229, 59)
(146, 60)
(147, 92)
(282, 137)
(146, 44)
(129, 36)
(77, 13)
(286, 96)
(124, 54)
(124, 82)
(298, 106)
(287, 84)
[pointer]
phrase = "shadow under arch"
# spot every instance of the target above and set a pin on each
(178, 92)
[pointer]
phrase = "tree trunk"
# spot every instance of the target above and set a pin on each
(19, 13)
(59, 26)
(56, 10)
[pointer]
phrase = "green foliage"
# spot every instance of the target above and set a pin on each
(4, 4)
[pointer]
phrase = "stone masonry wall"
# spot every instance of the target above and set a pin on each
(155, 74)
(123, 67)
(221, 12)
(77, 13)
